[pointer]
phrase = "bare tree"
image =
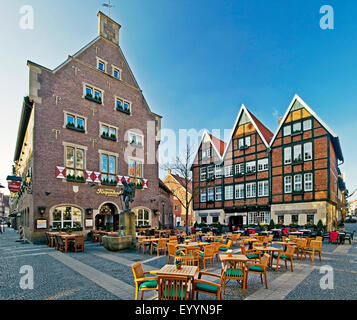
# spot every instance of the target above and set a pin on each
(181, 166)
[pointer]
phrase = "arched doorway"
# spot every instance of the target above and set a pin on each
(107, 218)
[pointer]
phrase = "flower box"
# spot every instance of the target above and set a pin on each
(95, 99)
(113, 138)
(122, 110)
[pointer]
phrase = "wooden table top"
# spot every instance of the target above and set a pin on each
(251, 240)
(285, 242)
(234, 257)
(70, 235)
(170, 269)
(267, 249)
(193, 244)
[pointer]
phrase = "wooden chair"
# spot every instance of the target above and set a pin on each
(252, 255)
(78, 244)
(319, 238)
(225, 247)
(159, 246)
(142, 282)
(193, 253)
(172, 238)
(300, 245)
(60, 243)
(172, 251)
(216, 245)
(259, 268)
(287, 255)
(174, 288)
(207, 254)
(315, 247)
(293, 237)
(270, 239)
(208, 287)
(48, 239)
(234, 271)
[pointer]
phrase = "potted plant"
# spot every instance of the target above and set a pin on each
(59, 229)
(69, 230)
(178, 264)
(265, 244)
(229, 253)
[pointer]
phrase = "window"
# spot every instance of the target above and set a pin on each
(228, 192)
(67, 217)
(206, 154)
(258, 217)
(228, 171)
(287, 184)
(308, 181)
(203, 195)
(307, 125)
(218, 193)
(210, 172)
(297, 127)
(93, 94)
(308, 151)
(310, 219)
(263, 188)
(218, 171)
(176, 208)
(75, 164)
(297, 153)
(209, 155)
(280, 219)
(136, 139)
(203, 219)
(250, 166)
(298, 183)
(294, 218)
(101, 65)
(244, 142)
(143, 217)
(251, 190)
(122, 105)
(108, 169)
(287, 155)
(116, 73)
(136, 168)
(239, 169)
(210, 194)
(108, 132)
(287, 131)
(203, 174)
(239, 191)
(263, 164)
(215, 219)
(75, 122)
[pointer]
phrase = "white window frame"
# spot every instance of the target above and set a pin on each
(298, 183)
(251, 190)
(94, 89)
(239, 168)
(287, 184)
(287, 155)
(203, 195)
(102, 124)
(305, 122)
(263, 188)
(263, 164)
(309, 157)
(218, 194)
(218, 171)
(210, 172)
(251, 167)
(228, 171)
(299, 125)
(135, 135)
(117, 69)
(75, 116)
(210, 194)
(228, 192)
(105, 63)
(123, 101)
(287, 130)
(308, 183)
(239, 191)
(297, 152)
(203, 174)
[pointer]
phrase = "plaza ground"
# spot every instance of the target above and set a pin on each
(97, 274)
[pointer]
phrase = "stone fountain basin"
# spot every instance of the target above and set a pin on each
(117, 243)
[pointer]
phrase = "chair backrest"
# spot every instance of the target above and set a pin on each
(289, 251)
(318, 238)
(284, 238)
(171, 249)
(333, 236)
(270, 238)
(188, 260)
(293, 237)
(301, 243)
(161, 244)
(316, 245)
(193, 251)
(242, 249)
(265, 260)
(173, 288)
(229, 244)
(209, 250)
(138, 271)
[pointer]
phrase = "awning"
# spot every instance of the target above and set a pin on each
(215, 214)
(203, 214)
(303, 211)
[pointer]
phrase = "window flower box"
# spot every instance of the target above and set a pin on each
(121, 109)
(243, 147)
(73, 178)
(298, 192)
(109, 137)
(210, 178)
(96, 99)
(108, 182)
(298, 160)
(239, 175)
(73, 127)
(248, 173)
(139, 186)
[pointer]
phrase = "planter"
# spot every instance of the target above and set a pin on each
(109, 138)
(75, 128)
(124, 111)
(115, 243)
(93, 99)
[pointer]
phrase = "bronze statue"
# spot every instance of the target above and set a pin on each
(128, 194)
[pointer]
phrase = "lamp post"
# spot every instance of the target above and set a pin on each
(163, 213)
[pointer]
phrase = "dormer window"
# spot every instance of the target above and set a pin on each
(116, 73)
(101, 65)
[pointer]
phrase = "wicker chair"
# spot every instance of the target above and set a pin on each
(259, 268)
(207, 254)
(315, 247)
(234, 271)
(143, 283)
(252, 255)
(287, 255)
(159, 246)
(174, 288)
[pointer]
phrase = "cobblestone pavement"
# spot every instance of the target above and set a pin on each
(98, 274)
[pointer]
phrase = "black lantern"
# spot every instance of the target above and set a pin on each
(41, 210)
(89, 211)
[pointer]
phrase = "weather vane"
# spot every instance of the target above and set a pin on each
(109, 6)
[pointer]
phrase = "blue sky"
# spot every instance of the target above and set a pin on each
(198, 61)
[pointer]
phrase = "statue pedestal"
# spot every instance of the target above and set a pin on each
(128, 225)
(115, 243)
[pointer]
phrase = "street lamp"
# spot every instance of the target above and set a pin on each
(163, 213)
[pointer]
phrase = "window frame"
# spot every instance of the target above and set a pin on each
(285, 155)
(311, 156)
(309, 181)
(263, 186)
(307, 121)
(218, 193)
(107, 173)
(298, 183)
(252, 190)
(239, 191)
(228, 192)
(203, 172)
(136, 135)
(288, 184)
(264, 163)
(74, 168)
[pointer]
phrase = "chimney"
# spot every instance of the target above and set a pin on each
(108, 28)
(279, 120)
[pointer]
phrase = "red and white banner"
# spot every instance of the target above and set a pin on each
(14, 183)
(60, 173)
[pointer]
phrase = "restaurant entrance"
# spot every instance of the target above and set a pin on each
(107, 218)
(235, 221)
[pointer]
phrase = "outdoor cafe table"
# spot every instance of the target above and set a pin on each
(286, 243)
(250, 240)
(52, 235)
(234, 258)
(296, 233)
(193, 244)
(67, 237)
(271, 250)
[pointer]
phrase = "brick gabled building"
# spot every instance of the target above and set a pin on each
(84, 128)
(290, 177)
(305, 155)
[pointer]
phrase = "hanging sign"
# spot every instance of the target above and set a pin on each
(14, 183)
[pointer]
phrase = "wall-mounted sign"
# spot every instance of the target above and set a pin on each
(14, 183)
(108, 192)
(41, 224)
(89, 222)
